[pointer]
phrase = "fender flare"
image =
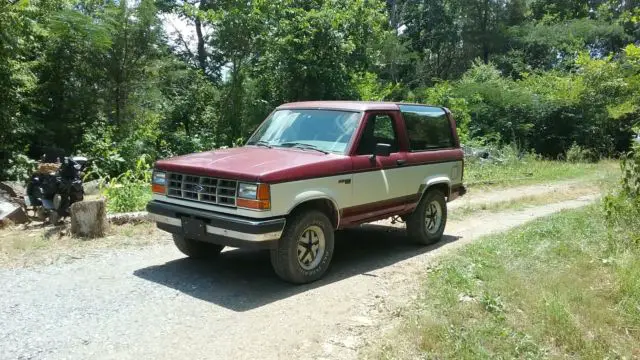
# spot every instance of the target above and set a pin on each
(431, 181)
(315, 195)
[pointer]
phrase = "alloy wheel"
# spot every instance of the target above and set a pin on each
(433, 217)
(311, 247)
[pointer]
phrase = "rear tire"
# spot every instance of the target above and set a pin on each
(304, 251)
(427, 222)
(196, 249)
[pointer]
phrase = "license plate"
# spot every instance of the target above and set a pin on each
(193, 228)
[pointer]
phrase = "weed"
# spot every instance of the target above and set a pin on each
(578, 154)
(492, 304)
(129, 191)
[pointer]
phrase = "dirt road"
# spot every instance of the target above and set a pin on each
(152, 303)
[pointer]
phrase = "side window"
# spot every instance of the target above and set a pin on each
(428, 128)
(379, 129)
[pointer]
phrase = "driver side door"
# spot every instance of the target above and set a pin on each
(377, 180)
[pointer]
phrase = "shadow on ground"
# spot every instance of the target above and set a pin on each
(242, 280)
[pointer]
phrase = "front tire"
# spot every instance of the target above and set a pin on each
(304, 251)
(196, 249)
(427, 222)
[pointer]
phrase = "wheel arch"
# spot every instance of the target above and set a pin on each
(441, 183)
(318, 201)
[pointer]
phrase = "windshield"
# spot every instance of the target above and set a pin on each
(322, 130)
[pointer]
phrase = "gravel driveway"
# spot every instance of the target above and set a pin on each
(152, 303)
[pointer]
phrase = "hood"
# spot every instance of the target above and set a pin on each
(257, 164)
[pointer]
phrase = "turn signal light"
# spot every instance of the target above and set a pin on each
(264, 192)
(261, 201)
(254, 204)
(158, 189)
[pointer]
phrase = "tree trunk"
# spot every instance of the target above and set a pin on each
(485, 53)
(202, 53)
(89, 218)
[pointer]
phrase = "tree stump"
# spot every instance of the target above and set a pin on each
(89, 218)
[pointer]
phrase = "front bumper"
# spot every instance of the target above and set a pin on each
(221, 229)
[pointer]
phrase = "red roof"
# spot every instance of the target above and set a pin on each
(342, 105)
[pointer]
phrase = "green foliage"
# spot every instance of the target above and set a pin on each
(631, 174)
(576, 154)
(131, 190)
(21, 167)
(552, 288)
(622, 207)
(115, 81)
(548, 112)
(369, 87)
(315, 46)
(20, 21)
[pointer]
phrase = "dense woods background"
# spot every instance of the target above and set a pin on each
(118, 79)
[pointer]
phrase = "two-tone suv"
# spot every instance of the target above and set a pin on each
(309, 169)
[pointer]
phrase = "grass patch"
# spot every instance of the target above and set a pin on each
(571, 192)
(531, 170)
(560, 287)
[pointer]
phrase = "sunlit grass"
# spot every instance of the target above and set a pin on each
(560, 287)
(531, 170)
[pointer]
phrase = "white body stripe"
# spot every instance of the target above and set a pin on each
(393, 183)
(364, 188)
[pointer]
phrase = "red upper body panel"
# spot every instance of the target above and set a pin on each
(274, 165)
(258, 164)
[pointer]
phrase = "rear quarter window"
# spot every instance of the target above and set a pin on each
(428, 128)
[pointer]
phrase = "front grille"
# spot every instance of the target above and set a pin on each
(202, 188)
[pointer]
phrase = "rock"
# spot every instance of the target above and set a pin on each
(18, 216)
(11, 210)
(91, 187)
(465, 298)
(89, 218)
(13, 188)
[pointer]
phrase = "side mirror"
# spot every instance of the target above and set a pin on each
(382, 150)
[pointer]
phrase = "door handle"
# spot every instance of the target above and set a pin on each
(401, 162)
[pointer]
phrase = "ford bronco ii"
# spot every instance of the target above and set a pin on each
(311, 168)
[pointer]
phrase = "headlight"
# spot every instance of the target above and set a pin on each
(248, 191)
(159, 178)
(159, 182)
(254, 196)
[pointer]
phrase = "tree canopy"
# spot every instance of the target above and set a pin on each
(117, 79)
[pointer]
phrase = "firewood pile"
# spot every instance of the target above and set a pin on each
(47, 168)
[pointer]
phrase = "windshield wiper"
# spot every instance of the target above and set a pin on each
(261, 143)
(303, 146)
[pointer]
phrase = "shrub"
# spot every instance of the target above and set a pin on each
(631, 173)
(622, 209)
(20, 167)
(578, 154)
(129, 191)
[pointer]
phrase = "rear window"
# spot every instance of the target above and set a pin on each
(428, 127)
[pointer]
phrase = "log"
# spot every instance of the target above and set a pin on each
(89, 218)
(128, 218)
